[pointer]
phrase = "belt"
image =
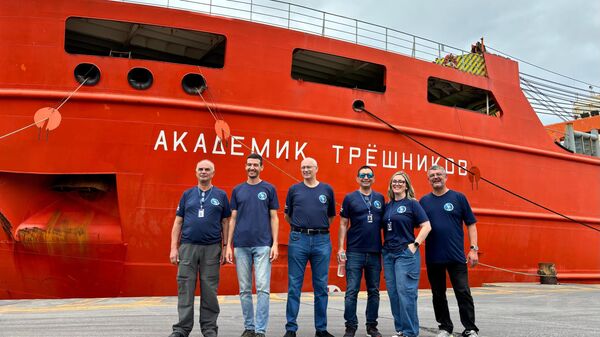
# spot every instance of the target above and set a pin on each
(310, 231)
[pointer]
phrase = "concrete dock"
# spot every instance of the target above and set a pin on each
(511, 309)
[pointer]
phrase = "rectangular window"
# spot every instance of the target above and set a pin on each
(143, 41)
(336, 70)
(462, 96)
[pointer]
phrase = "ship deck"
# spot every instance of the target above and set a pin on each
(504, 309)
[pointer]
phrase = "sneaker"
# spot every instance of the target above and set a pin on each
(350, 332)
(470, 333)
(398, 334)
(323, 333)
(443, 333)
(373, 332)
(290, 333)
(248, 333)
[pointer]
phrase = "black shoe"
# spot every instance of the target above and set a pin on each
(290, 333)
(372, 331)
(350, 332)
(323, 333)
(176, 334)
(248, 333)
(260, 335)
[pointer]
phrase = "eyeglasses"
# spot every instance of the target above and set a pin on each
(366, 175)
(398, 182)
(306, 167)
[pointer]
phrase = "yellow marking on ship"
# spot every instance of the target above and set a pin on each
(470, 63)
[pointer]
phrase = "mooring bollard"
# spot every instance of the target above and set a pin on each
(547, 272)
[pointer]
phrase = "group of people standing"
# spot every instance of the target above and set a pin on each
(246, 228)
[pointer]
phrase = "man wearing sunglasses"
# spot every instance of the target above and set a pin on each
(363, 210)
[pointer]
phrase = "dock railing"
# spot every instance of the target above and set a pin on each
(305, 19)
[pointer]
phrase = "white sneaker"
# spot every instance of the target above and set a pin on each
(471, 333)
(443, 333)
(398, 334)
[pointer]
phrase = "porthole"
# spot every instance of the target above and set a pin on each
(87, 71)
(193, 84)
(140, 78)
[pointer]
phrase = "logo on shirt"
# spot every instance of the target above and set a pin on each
(262, 196)
(215, 202)
(448, 207)
(377, 204)
(322, 198)
(401, 209)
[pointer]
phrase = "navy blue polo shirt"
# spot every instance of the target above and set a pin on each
(253, 220)
(447, 213)
(363, 236)
(204, 230)
(405, 215)
(310, 207)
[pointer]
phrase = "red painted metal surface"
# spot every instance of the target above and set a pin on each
(149, 141)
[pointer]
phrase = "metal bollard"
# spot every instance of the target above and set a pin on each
(547, 272)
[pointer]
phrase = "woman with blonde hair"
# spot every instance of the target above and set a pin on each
(401, 257)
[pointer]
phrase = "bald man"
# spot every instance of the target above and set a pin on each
(198, 233)
(309, 209)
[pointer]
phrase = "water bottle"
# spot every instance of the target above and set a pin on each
(341, 271)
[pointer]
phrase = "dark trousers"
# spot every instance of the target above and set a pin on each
(194, 260)
(459, 277)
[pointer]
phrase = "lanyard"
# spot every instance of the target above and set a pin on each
(202, 198)
(364, 199)
(390, 210)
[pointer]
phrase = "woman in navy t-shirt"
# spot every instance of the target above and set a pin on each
(401, 257)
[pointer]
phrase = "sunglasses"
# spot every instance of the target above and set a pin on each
(366, 175)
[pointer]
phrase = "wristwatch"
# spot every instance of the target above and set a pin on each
(417, 244)
(475, 248)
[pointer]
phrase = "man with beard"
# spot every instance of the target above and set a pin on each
(199, 229)
(447, 210)
(253, 230)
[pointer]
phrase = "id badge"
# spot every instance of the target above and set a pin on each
(201, 213)
(389, 226)
(370, 218)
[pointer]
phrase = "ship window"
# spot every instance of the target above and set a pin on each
(462, 96)
(142, 41)
(339, 71)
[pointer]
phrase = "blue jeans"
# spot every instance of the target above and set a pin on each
(301, 249)
(402, 270)
(244, 258)
(356, 263)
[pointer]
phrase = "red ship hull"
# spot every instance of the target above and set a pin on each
(142, 147)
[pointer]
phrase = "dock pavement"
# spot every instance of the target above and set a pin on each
(504, 309)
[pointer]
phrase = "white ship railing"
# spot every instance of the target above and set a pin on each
(308, 20)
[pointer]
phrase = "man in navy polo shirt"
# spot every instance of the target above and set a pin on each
(364, 209)
(309, 209)
(199, 229)
(253, 230)
(447, 210)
